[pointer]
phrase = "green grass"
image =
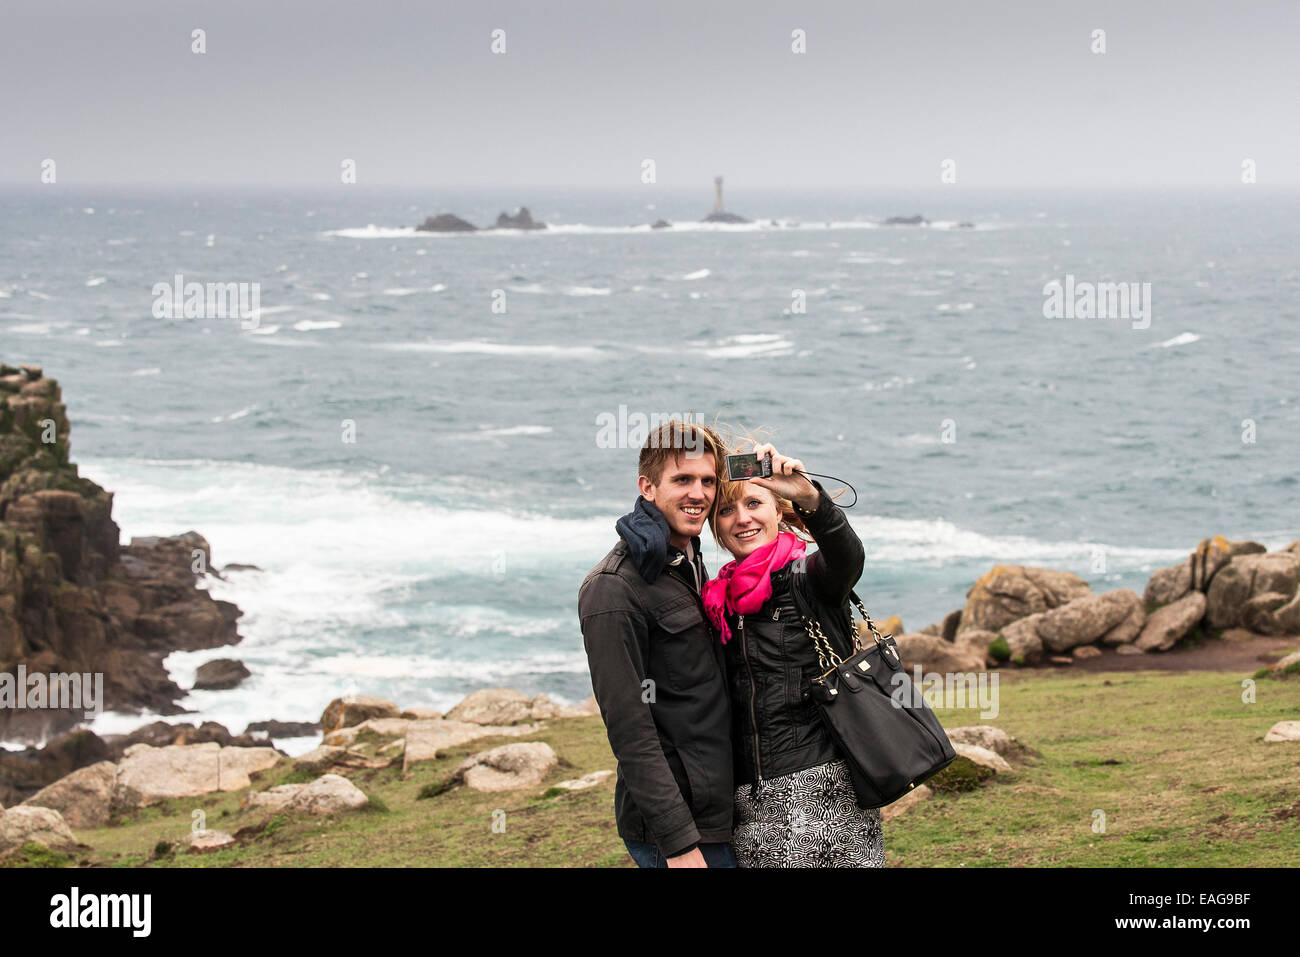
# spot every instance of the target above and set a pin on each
(403, 828)
(1175, 761)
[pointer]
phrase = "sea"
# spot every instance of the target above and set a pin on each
(412, 439)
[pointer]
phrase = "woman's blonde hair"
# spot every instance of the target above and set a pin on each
(737, 440)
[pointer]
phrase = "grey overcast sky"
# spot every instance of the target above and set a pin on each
(586, 90)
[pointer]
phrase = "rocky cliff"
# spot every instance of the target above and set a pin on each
(72, 598)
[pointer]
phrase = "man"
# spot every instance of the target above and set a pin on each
(656, 668)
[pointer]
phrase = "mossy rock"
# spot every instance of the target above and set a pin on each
(962, 775)
(999, 648)
(32, 854)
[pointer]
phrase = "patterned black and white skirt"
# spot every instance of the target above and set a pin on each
(809, 818)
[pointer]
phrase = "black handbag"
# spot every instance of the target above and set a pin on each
(882, 727)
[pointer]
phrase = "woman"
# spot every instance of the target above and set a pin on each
(795, 805)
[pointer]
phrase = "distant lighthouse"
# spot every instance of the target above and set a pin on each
(719, 214)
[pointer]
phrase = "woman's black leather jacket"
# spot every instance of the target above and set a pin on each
(776, 728)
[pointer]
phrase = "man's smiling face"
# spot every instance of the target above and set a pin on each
(684, 494)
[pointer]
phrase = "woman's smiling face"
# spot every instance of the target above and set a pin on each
(750, 522)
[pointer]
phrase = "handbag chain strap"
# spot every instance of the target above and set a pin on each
(884, 646)
(826, 655)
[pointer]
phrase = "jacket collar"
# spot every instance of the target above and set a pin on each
(646, 532)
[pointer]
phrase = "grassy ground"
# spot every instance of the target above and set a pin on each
(1175, 761)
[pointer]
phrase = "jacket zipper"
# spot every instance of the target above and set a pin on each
(753, 693)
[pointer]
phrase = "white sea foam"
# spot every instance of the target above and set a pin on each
(373, 231)
(1182, 339)
(494, 348)
(380, 232)
(96, 280)
(247, 410)
(893, 382)
(698, 274)
(937, 542)
(749, 346)
(311, 325)
(505, 431)
(730, 347)
(338, 550)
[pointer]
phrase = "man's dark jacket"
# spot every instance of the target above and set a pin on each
(657, 673)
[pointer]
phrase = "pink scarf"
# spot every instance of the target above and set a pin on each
(742, 587)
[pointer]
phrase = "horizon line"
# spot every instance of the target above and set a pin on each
(733, 188)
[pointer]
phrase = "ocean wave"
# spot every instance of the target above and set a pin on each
(247, 410)
(1182, 339)
(494, 348)
(310, 525)
(505, 431)
(893, 382)
(730, 347)
(750, 345)
(938, 542)
(339, 549)
(537, 288)
(486, 671)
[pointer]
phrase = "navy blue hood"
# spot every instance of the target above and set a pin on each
(646, 532)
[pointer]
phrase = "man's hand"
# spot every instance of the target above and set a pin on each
(692, 858)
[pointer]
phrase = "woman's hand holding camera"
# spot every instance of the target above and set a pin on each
(785, 481)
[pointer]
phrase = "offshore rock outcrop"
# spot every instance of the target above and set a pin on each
(446, 223)
(520, 220)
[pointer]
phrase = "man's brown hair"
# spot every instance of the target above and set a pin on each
(673, 439)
